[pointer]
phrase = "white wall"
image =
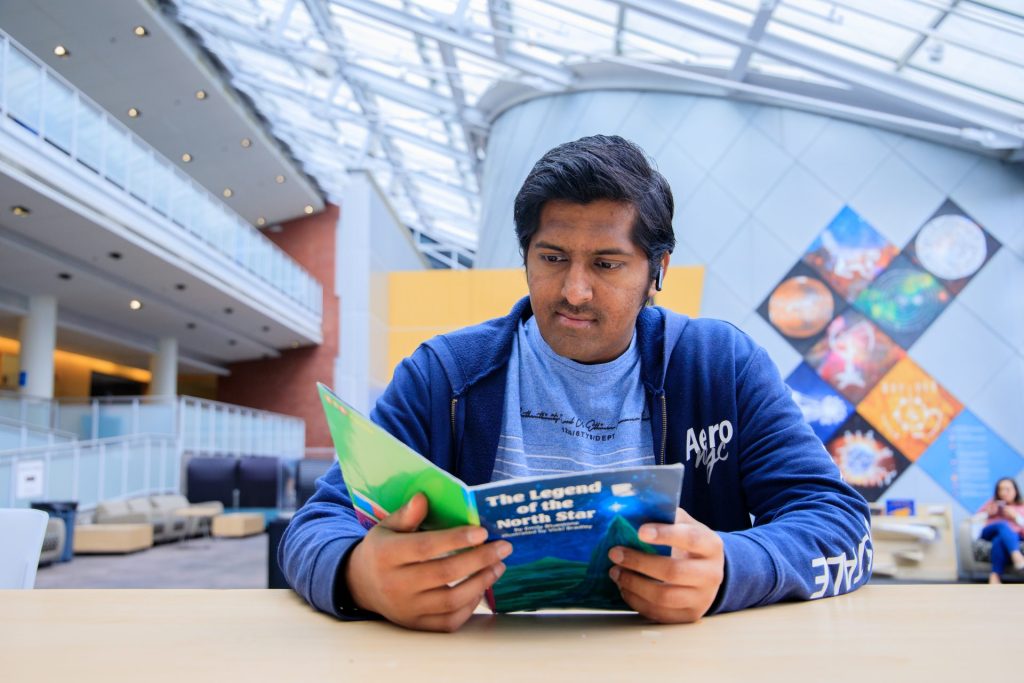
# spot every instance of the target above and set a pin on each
(371, 243)
(755, 184)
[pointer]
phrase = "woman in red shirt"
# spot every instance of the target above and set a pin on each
(1004, 517)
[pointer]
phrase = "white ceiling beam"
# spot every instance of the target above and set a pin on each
(818, 61)
(757, 28)
(496, 12)
(909, 53)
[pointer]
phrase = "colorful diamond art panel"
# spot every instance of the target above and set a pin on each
(853, 355)
(904, 301)
(909, 408)
(867, 461)
(849, 253)
(952, 246)
(968, 458)
(801, 306)
(823, 408)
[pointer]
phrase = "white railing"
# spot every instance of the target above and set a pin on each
(204, 427)
(37, 104)
(21, 435)
(29, 410)
(101, 418)
(210, 427)
(91, 471)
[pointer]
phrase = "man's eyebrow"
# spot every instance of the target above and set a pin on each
(611, 251)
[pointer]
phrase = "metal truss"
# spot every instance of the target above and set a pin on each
(395, 87)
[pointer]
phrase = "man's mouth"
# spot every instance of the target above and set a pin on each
(574, 320)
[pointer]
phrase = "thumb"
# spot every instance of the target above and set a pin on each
(683, 517)
(409, 516)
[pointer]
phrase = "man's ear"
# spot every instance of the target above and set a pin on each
(659, 276)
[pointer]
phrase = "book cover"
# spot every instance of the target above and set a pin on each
(561, 527)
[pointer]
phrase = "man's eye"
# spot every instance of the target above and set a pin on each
(608, 265)
(550, 258)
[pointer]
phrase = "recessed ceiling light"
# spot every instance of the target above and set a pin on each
(200, 94)
(308, 209)
(261, 221)
(140, 31)
(64, 276)
(116, 255)
(228, 310)
(279, 179)
(266, 328)
(186, 157)
(295, 344)
(135, 304)
(246, 142)
(227, 193)
(133, 113)
(190, 326)
(61, 51)
(231, 342)
(180, 286)
(20, 211)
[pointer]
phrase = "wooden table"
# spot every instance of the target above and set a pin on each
(881, 632)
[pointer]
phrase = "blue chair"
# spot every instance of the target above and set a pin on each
(209, 479)
(306, 473)
(258, 482)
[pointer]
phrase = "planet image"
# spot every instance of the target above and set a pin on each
(951, 247)
(801, 307)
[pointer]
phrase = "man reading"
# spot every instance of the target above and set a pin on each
(763, 516)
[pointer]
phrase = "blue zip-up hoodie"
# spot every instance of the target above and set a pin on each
(754, 470)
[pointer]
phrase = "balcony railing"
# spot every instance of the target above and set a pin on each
(20, 435)
(27, 410)
(204, 427)
(51, 112)
(91, 471)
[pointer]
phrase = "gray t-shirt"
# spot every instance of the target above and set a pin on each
(564, 416)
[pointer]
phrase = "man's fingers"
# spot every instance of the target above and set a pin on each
(447, 623)
(655, 611)
(446, 600)
(409, 516)
(410, 548)
(666, 596)
(445, 571)
(659, 567)
(692, 537)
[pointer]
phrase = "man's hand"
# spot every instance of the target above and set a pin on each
(677, 588)
(412, 578)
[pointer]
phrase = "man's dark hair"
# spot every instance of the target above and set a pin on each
(600, 167)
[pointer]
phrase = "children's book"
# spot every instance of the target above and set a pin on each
(561, 526)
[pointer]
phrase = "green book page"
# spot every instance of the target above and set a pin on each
(382, 473)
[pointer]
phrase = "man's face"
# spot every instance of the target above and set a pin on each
(588, 281)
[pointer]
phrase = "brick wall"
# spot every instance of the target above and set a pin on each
(288, 384)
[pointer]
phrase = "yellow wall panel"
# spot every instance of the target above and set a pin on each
(423, 304)
(682, 290)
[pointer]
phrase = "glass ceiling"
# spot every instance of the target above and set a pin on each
(395, 86)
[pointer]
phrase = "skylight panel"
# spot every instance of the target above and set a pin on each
(829, 47)
(676, 42)
(846, 26)
(973, 70)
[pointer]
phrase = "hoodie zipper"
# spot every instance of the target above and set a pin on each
(664, 429)
(455, 453)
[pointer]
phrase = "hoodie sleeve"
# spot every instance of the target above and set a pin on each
(322, 534)
(811, 536)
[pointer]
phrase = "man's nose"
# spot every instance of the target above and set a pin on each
(576, 289)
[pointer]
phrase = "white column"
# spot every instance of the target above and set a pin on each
(38, 341)
(352, 282)
(164, 366)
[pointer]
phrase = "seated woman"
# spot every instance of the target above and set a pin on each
(1004, 526)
